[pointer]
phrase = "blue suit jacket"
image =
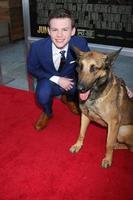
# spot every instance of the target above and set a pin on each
(40, 63)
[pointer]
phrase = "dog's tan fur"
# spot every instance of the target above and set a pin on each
(108, 104)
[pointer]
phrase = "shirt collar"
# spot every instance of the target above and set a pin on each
(56, 51)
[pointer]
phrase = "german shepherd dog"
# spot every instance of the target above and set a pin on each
(103, 98)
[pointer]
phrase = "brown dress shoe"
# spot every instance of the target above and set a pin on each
(71, 105)
(64, 99)
(42, 122)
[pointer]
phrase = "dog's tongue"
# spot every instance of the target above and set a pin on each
(84, 96)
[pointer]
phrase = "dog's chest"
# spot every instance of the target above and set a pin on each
(90, 105)
(91, 109)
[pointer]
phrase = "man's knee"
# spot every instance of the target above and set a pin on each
(73, 91)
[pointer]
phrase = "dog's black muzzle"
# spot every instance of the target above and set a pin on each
(82, 87)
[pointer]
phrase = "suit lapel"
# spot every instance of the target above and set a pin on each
(48, 55)
(70, 56)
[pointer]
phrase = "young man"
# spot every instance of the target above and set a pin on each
(44, 63)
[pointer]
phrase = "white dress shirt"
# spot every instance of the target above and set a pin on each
(56, 59)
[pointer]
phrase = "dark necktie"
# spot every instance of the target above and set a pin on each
(62, 61)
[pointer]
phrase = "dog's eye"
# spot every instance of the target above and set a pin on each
(93, 68)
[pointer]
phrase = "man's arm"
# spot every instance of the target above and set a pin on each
(34, 67)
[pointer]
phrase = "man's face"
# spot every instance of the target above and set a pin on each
(61, 31)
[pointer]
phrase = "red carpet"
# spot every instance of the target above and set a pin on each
(39, 166)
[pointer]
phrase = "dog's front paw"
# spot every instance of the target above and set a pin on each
(106, 163)
(75, 148)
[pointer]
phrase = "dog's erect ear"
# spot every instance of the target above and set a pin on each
(77, 51)
(110, 59)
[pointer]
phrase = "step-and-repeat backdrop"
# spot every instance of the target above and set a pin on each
(100, 21)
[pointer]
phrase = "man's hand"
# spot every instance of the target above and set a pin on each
(66, 83)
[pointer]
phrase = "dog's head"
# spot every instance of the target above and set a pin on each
(93, 70)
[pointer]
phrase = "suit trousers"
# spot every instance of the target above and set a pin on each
(46, 90)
